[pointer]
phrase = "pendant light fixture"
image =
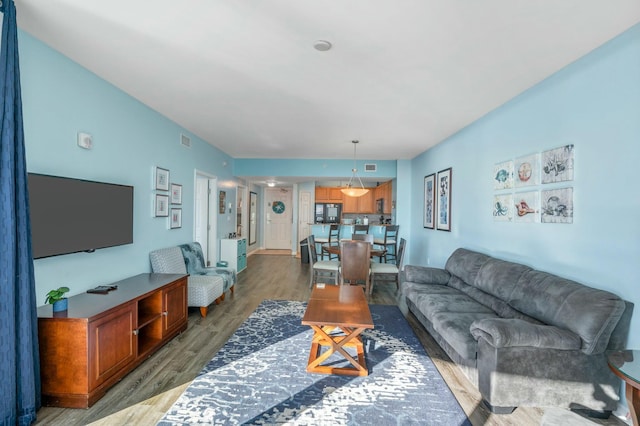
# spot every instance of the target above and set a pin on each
(350, 190)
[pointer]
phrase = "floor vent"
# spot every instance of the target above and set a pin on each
(370, 167)
(185, 141)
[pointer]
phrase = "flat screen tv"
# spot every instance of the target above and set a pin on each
(73, 215)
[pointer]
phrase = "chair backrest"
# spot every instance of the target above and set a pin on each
(313, 254)
(355, 257)
(361, 229)
(391, 233)
(167, 261)
(334, 233)
(400, 256)
(362, 237)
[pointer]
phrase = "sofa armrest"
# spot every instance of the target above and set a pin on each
(512, 332)
(425, 275)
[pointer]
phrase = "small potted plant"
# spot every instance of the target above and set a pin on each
(57, 299)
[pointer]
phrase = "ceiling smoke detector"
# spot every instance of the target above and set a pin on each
(322, 45)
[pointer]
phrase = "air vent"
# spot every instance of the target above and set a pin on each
(185, 141)
(370, 167)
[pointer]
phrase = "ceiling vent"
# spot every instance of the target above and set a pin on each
(185, 141)
(370, 167)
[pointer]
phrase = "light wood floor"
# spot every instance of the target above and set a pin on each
(145, 394)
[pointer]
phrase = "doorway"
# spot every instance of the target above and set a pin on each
(206, 215)
(278, 218)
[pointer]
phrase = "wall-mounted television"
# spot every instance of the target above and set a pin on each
(73, 215)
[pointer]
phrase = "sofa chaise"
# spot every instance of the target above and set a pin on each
(523, 337)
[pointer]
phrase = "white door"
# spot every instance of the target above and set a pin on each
(305, 216)
(278, 218)
(206, 216)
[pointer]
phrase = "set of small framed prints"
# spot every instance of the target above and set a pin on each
(531, 188)
(166, 197)
(437, 200)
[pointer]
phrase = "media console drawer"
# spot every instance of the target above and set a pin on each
(102, 337)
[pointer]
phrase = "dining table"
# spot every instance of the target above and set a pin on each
(335, 249)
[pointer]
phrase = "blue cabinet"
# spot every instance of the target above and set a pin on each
(234, 251)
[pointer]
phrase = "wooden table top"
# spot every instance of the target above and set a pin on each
(336, 250)
(338, 305)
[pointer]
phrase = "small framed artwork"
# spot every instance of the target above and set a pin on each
(527, 206)
(557, 164)
(503, 208)
(429, 201)
(162, 179)
(527, 170)
(557, 206)
(221, 202)
(176, 218)
(443, 187)
(176, 193)
(503, 175)
(162, 205)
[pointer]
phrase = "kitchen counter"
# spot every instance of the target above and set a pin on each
(347, 230)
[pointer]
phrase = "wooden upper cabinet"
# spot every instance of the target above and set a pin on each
(326, 194)
(384, 191)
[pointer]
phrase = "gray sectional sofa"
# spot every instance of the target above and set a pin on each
(522, 336)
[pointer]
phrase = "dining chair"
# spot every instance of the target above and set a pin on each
(389, 242)
(332, 240)
(355, 263)
(361, 229)
(323, 268)
(386, 269)
(362, 237)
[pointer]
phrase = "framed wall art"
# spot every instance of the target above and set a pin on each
(176, 193)
(557, 206)
(527, 170)
(443, 187)
(162, 179)
(503, 208)
(557, 164)
(176, 218)
(527, 206)
(503, 175)
(221, 202)
(429, 201)
(162, 205)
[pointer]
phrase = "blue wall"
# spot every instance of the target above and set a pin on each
(594, 104)
(60, 99)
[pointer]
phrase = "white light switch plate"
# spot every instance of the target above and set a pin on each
(85, 141)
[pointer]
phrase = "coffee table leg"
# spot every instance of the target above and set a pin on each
(337, 343)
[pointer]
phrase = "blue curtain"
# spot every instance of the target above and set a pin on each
(19, 360)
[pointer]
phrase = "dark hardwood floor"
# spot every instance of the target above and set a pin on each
(145, 394)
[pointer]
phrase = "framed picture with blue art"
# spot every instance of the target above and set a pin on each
(429, 220)
(503, 175)
(443, 188)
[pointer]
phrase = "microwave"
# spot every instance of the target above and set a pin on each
(380, 205)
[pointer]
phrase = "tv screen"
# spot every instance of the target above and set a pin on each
(72, 215)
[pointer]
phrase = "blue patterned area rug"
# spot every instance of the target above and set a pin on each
(259, 377)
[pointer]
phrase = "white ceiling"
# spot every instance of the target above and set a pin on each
(401, 76)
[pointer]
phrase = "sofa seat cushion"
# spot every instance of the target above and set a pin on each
(413, 291)
(434, 303)
(453, 327)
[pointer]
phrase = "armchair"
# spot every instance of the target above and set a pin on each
(202, 290)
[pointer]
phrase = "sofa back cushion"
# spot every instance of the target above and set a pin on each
(590, 313)
(465, 264)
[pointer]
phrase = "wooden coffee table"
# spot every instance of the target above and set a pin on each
(333, 307)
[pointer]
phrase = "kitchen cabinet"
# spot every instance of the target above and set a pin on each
(325, 194)
(101, 337)
(384, 191)
(364, 204)
(234, 251)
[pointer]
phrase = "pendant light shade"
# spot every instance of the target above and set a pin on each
(350, 190)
